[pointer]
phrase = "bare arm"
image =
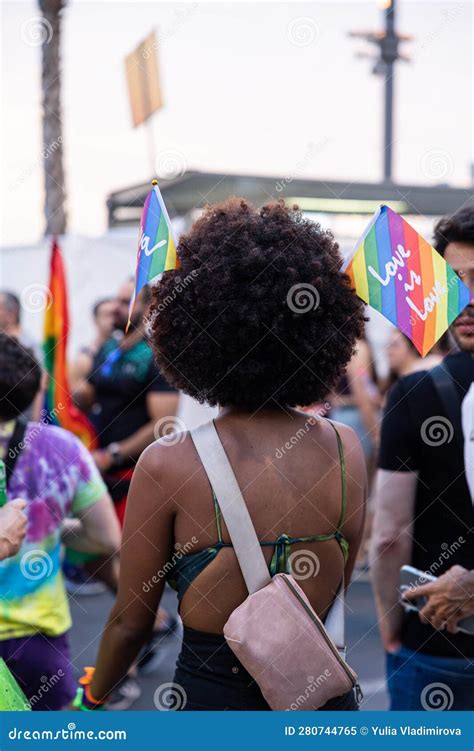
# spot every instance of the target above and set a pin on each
(94, 530)
(146, 547)
(79, 370)
(391, 547)
(84, 395)
(160, 405)
(358, 373)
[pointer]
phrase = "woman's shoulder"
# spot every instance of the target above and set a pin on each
(328, 430)
(347, 434)
(170, 460)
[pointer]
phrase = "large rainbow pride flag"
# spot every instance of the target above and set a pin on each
(156, 245)
(398, 273)
(59, 408)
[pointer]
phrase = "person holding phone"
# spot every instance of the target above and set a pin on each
(450, 599)
(424, 514)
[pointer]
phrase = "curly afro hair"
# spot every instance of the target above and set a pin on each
(20, 377)
(259, 312)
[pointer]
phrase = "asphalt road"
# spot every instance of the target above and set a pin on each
(365, 652)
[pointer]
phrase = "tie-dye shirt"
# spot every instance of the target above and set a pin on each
(57, 476)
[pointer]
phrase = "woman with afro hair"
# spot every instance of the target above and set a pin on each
(257, 320)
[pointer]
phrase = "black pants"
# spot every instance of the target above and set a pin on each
(209, 677)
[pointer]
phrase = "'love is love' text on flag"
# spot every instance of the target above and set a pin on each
(398, 273)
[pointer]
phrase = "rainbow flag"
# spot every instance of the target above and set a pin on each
(59, 408)
(12, 698)
(398, 273)
(156, 245)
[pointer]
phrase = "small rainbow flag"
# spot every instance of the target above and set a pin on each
(59, 408)
(156, 245)
(398, 273)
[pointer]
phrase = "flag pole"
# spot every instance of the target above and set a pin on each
(362, 238)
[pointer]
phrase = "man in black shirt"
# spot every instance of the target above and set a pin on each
(424, 513)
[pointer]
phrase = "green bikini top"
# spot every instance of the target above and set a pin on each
(188, 566)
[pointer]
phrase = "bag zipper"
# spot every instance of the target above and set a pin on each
(322, 631)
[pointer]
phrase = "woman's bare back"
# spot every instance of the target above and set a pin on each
(287, 465)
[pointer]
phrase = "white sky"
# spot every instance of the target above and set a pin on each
(240, 96)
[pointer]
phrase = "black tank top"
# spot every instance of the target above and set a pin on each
(444, 514)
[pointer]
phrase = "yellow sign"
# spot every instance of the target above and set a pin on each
(143, 80)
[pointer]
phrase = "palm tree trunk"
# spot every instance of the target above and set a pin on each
(55, 194)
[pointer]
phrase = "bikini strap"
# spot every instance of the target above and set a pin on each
(232, 506)
(217, 513)
(342, 462)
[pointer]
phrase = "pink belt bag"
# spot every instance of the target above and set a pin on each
(297, 660)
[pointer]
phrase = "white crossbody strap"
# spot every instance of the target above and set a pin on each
(240, 527)
(232, 505)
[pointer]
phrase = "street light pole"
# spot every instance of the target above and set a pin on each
(387, 42)
(389, 54)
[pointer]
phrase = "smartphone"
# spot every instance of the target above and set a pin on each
(410, 578)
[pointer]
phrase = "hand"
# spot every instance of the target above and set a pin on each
(391, 642)
(13, 523)
(391, 645)
(103, 458)
(450, 598)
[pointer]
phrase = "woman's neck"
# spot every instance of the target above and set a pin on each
(264, 413)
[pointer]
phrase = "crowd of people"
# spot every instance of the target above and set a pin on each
(383, 480)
